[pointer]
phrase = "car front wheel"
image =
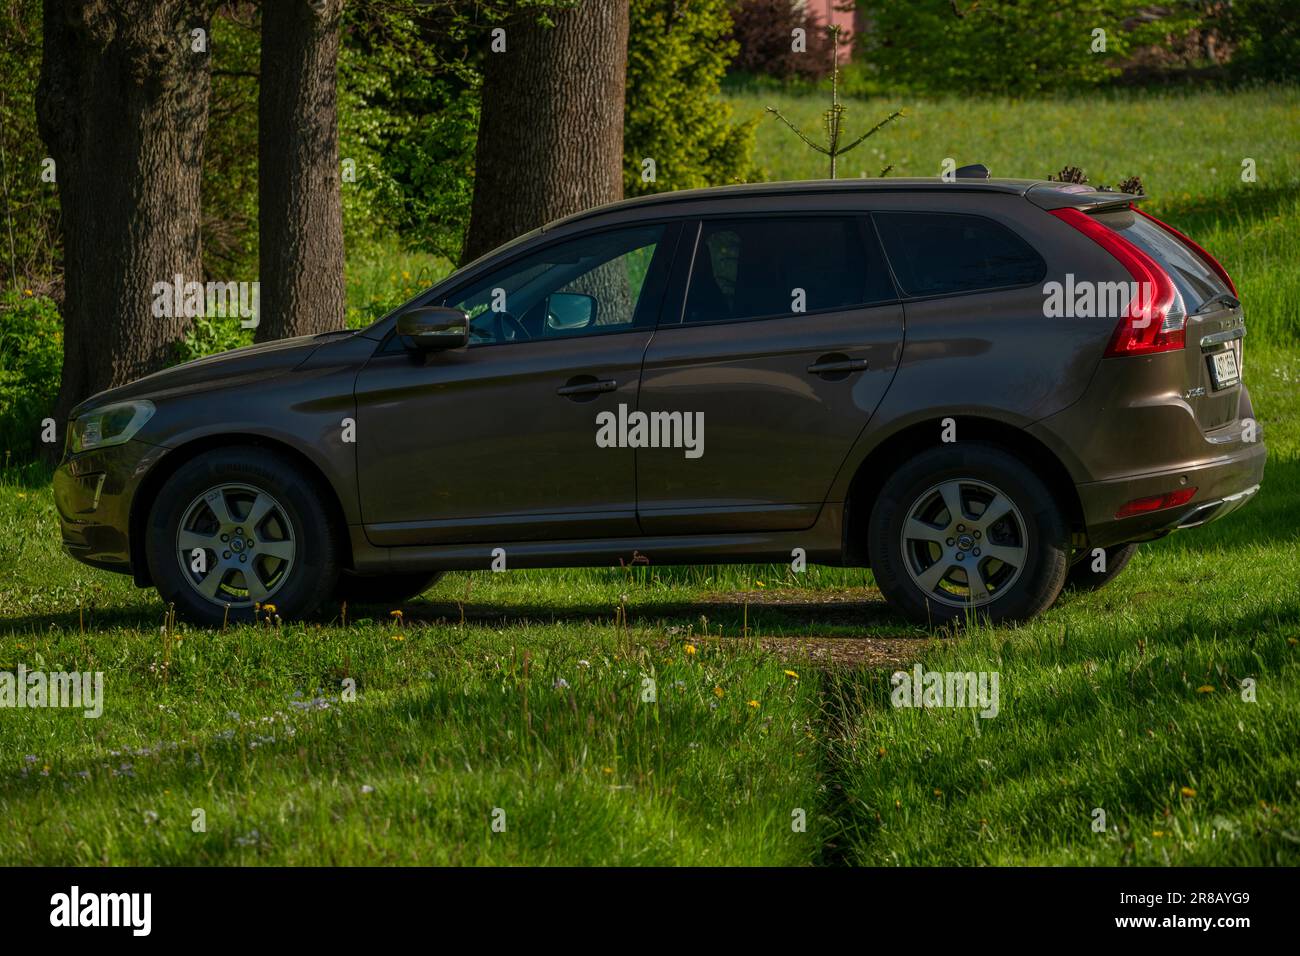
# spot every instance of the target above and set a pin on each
(968, 530)
(237, 529)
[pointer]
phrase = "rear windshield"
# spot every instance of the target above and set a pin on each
(1192, 275)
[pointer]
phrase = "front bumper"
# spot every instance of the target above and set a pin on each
(1222, 487)
(94, 492)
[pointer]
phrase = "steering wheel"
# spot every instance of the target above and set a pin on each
(503, 321)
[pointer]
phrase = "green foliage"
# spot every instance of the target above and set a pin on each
(209, 335)
(995, 46)
(677, 55)
(1268, 36)
(31, 356)
(29, 230)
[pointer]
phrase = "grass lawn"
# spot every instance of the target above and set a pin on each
(698, 715)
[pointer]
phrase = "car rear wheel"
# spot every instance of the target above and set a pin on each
(1082, 577)
(968, 530)
(383, 589)
(237, 529)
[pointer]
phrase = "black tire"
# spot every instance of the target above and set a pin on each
(1032, 537)
(240, 480)
(385, 588)
(1083, 578)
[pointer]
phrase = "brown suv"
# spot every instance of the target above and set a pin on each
(982, 389)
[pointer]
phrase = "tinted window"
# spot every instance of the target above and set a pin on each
(596, 283)
(1191, 274)
(754, 268)
(939, 253)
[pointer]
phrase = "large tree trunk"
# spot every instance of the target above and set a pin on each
(550, 138)
(122, 107)
(300, 212)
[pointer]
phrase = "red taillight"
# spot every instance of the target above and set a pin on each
(1210, 261)
(1140, 506)
(1155, 319)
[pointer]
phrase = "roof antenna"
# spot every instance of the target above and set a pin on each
(973, 171)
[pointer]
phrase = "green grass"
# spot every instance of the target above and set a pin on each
(462, 707)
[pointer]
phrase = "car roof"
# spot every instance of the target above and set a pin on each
(1017, 187)
(1049, 194)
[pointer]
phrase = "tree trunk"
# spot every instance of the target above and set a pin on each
(122, 107)
(550, 138)
(300, 212)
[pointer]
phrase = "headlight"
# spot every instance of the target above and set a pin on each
(109, 425)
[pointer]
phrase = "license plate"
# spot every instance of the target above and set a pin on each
(1223, 368)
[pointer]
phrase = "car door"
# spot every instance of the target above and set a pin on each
(497, 441)
(788, 337)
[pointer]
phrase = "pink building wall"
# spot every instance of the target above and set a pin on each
(826, 13)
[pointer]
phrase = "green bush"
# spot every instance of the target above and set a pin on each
(207, 336)
(1267, 33)
(31, 357)
(677, 55)
(996, 46)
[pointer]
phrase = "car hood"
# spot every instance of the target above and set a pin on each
(240, 366)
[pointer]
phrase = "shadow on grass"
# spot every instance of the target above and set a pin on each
(1250, 203)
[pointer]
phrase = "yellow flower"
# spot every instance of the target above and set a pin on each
(606, 769)
(753, 703)
(268, 608)
(395, 614)
(1157, 833)
(718, 692)
(27, 291)
(690, 650)
(938, 792)
(405, 274)
(398, 637)
(1205, 689)
(1188, 792)
(759, 584)
(880, 752)
(792, 675)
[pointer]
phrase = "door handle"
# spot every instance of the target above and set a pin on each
(845, 365)
(593, 387)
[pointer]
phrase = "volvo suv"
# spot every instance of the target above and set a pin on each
(985, 390)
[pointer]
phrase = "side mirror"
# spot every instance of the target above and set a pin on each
(566, 311)
(434, 328)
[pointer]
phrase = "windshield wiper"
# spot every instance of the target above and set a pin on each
(1223, 298)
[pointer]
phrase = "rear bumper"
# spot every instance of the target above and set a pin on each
(1222, 486)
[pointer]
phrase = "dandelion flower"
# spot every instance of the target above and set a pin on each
(1187, 792)
(792, 675)
(753, 703)
(718, 692)
(1205, 689)
(690, 650)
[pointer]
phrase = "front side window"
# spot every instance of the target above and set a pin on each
(584, 286)
(948, 253)
(760, 268)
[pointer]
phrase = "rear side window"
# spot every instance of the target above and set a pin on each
(764, 267)
(1191, 274)
(945, 253)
